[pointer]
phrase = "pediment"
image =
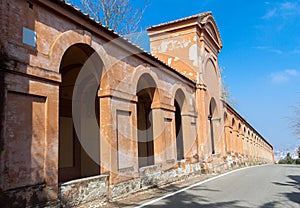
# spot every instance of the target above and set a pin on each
(212, 29)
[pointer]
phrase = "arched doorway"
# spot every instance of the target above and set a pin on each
(76, 159)
(212, 119)
(178, 103)
(146, 91)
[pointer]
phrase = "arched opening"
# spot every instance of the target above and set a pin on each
(239, 139)
(233, 141)
(212, 118)
(225, 117)
(79, 137)
(178, 103)
(146, 91)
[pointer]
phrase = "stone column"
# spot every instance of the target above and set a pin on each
(227, 139)
(189, 133)
(51, 154)
(241, 140)
(158, 130)
(202, 120)
(106, 133)
(234, 141)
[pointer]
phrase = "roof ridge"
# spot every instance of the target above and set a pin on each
(142, 50)
(203, 14)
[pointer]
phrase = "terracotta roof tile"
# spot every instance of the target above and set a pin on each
(201, 15)
(76, 9)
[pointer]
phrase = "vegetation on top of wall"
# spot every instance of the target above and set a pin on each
(226, 94)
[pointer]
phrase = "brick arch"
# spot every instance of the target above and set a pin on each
(226, 119)
(213, 107)
(65, 41)
(209, 59)
(185, 108)
(73, 37)
(239, 127)
(142, 71)
(233, 123)
(148, 99)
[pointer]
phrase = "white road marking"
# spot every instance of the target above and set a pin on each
(196, 184)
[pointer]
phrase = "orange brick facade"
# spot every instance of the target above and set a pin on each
(85, 114)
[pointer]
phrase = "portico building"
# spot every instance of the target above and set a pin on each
(86, 115)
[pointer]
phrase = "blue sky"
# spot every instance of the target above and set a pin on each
(260, 56)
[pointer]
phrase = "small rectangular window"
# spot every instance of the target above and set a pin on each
(29, 37)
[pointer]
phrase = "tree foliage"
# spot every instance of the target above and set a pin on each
(118, 15)
(226, 94)
(289, 160)
(296, 120)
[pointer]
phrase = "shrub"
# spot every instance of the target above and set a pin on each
(282, 161)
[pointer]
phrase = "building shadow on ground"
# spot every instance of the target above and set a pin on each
(183, 199)
(294, 183)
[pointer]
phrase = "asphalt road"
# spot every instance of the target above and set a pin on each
(263, 186)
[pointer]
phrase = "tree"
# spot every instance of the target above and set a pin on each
(289, 159)
(118, 15)
(226, 95)
(296, 120)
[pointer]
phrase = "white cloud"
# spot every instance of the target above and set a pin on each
(296, 51)
(279, 77)
(270, 13)
(284, 10)
(288, 6)
(268, 49)
(276, 51)
(283, 76)
(291, 72)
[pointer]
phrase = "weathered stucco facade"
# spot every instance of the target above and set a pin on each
(87, 115)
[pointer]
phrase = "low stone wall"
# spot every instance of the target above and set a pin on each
(32, 196)
(83, 190)
(124, 188)
(153, 176)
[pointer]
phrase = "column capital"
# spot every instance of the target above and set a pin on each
(201, 87)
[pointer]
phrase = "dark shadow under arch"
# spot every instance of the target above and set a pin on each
(74, 160)
(178, 104)
(146, 92)
(212, 118)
